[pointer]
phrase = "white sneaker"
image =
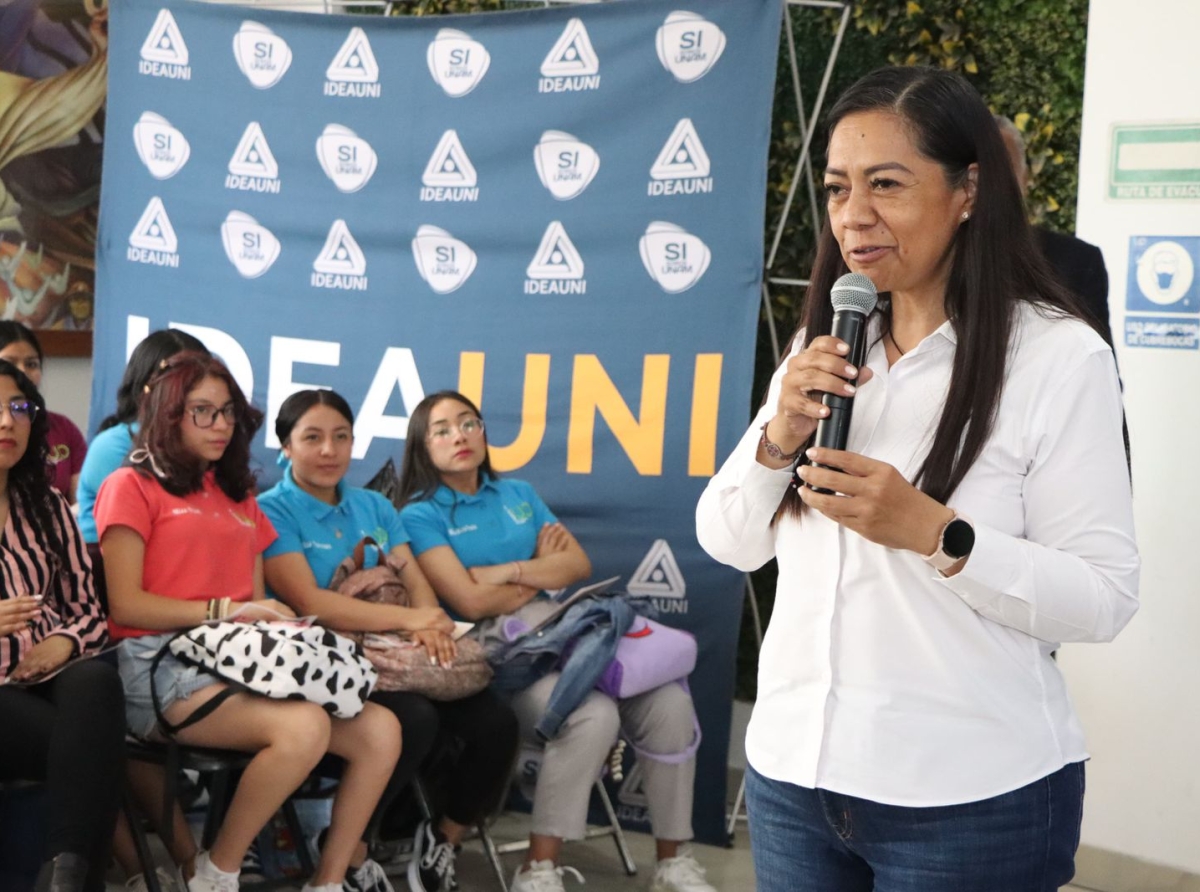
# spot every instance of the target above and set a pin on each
(328, 887)
(682, 873)
(210, 878)
(166, 881)
(368, 877)
(541, 876)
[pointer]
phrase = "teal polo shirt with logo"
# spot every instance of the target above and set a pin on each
(498, 524)
(326, 534)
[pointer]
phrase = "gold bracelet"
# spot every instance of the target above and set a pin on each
(209, 609)
(224, 611)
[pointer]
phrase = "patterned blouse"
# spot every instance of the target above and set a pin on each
(70, 607)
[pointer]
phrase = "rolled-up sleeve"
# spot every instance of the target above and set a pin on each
(1073, 576)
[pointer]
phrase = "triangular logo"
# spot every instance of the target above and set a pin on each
(683, 155)
(354, 62)
(165, 43)
(252, 157)
(633, 789)
(658, 574)
(572, 54)
(449, 164)
(154, 231)
(341, 254)
(556, 256)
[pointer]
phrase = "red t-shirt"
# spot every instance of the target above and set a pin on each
(67, 449)
(199, 546)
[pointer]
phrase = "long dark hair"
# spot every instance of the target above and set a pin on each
(158, 450)
(16, 333)
(996, 262)
(146, 359)
(301, 401)
(28, 485)
(419, 477)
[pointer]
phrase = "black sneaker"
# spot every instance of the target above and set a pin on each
(432, 866)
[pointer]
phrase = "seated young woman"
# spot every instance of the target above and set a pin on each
(66, 447)
(489, 545)
(320, 519)
(182, 538)
(65, 728)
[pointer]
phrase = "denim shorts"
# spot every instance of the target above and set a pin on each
(174, 679)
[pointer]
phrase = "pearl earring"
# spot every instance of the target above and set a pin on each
(966, 216)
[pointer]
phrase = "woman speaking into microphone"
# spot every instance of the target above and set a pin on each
(912, 732)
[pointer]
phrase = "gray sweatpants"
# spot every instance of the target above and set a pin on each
(659, 721)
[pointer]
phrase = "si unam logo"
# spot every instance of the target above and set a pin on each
(689, 45)
(164, 54)
(262, 55)
(673, 257)
(442, 260)
(457, 62)
(565, 165)
(162, 148)
(250, 246)
(348, 160)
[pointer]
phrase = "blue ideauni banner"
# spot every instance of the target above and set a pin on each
(557, 211)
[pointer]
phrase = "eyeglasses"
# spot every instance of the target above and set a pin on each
(22, 411)
(206, 416)
(468, 428)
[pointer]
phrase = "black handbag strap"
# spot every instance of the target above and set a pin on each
(202, 711)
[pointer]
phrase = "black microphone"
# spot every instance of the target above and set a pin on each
(853, 297)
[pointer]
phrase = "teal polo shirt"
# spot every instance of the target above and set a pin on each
(326, 534)
(500, 523)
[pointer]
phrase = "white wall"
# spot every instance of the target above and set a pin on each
(67, 387)
(1139, 698)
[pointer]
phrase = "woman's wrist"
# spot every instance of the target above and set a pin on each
(778, 442)
(516, 576)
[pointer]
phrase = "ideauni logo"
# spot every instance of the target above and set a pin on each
(682, 167)
(565, 165)
(341, 263)
(250, 247)
(162, 148)
(457, 62)
(262, 54)
(164, 53)
(253, 167)
(689, 45)
(346, 159)
(153, 239)
(572, 63)
(673, 257)
(556, 268)
(658, 574)
(442, 260)
(449, 175)
(353, 71)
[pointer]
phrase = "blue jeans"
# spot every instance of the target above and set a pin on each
(816, 841)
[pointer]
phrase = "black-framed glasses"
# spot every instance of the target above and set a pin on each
(468, 428)
(22, 411)
(206, 415)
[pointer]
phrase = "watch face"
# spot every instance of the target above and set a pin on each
(958, 538)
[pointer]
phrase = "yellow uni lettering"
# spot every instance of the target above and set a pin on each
(706, 401)
(520, 451)
(593, 391)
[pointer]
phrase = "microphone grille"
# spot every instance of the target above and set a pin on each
(854, 291)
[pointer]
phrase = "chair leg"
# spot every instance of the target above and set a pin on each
(493, 856)
(218, 803)
(618, 834)
(140, 844)
(298, 840)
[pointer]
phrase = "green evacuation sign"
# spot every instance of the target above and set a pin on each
(1155, 161)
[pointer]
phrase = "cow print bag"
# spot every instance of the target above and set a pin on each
(280, 660)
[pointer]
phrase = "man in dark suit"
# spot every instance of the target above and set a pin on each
(1078, 265)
